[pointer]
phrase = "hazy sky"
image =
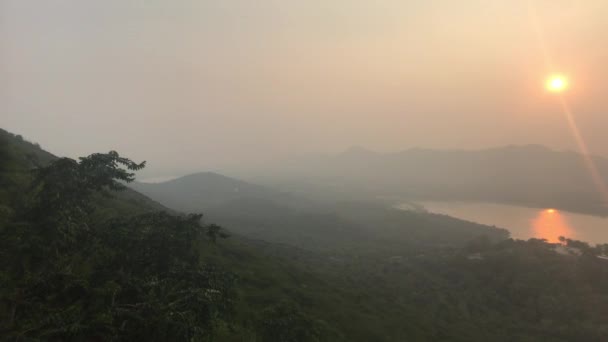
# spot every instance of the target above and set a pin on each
(198, 84)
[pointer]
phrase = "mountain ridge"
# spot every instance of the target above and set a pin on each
(526, 175)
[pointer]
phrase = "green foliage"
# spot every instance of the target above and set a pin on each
(66, 186)
(67, 276)
(81, 261)
(285, 322)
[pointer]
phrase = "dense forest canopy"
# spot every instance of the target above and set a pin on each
(68, 276)
(84, 258)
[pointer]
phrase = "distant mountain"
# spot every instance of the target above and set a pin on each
(260, 212)
(530, 175)
(365, 272)
(201, 191)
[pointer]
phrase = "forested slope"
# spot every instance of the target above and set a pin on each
(78, 264)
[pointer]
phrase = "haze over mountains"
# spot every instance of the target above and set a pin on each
(291, 271)
(260, 212)
(321, 193)
(204, 190)
(530, 175)
(185, 174)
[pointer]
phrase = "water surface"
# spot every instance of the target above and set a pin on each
(525, 223)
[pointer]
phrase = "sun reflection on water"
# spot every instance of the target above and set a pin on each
(550, 224)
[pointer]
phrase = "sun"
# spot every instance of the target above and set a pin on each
(557, 83)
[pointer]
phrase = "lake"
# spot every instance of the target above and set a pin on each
(525, 223)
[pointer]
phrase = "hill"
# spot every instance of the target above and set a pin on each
(20, 156)
(343, 228)
(75, 266)
(201, 191)
(262, 213)
(529, 175)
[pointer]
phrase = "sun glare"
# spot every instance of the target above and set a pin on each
(557, 83)
(550, 224)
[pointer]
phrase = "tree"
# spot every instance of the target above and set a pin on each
(68, 275)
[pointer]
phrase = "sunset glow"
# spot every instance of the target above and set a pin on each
(550, 224)
(557, 83)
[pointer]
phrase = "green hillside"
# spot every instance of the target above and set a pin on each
(77, 265)
(207, 190)
(19, 157)
(258, 212)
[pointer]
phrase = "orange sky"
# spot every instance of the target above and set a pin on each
(229, 80)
